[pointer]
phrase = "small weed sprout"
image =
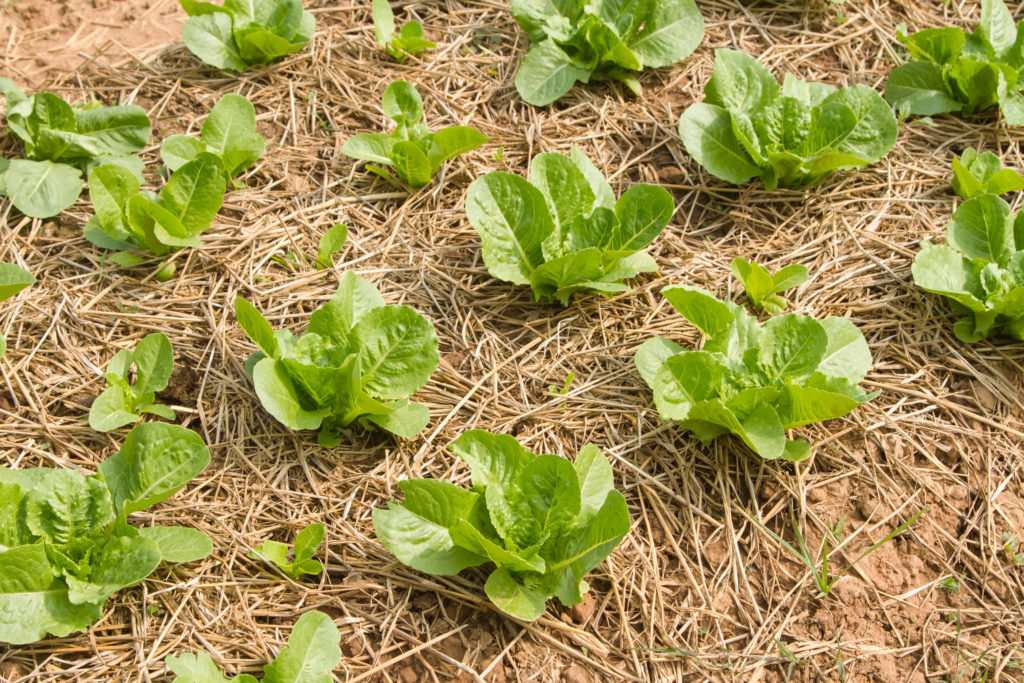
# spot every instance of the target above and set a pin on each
(819, 566)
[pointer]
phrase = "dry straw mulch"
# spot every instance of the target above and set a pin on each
(695, 592)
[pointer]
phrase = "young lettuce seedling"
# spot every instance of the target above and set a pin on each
(562, 231)
(962, 72)
(408, 43)
(61, 142)
(127, 218)
(123, 402)
(796, 136)
(411, 149)
(577, 41)
(751, 380)
(306, 542)
(13, 279)
(977, 174)
(980, 269)
(240, 34)
(311, 655)
(229, 132)
(543, 521)
(65, 544)
(762, 287)
(358, 363)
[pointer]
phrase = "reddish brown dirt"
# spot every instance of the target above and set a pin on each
(54, 36)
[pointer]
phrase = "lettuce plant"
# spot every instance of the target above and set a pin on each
(754, 381)
(411, 149)
(13, 279)
(955, 71)
(302, 562)
(980, 269)
(542, 521)
(123, 402)
(575, 40)
(311, 655)
(793, 136)
(408, 42)
(65, 542)
(977, 174)
(245, 33)
(61, 142)
(562, 231)
(357, 364)
(127, 218)
(763, 288)
(229, 132)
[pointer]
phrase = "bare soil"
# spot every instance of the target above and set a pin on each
(695, 592)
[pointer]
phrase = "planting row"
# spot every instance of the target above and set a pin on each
(67, 545)
(746, 127)
(577, 41)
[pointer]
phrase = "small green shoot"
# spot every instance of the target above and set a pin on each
(819, 567)
(409, 40)
(951, 584)
(840, 664)
(499, 154)
(330, 244)
(1012, 548)
(787, 655)
(306, 542)
(124, 402)
(762, 287)
(565, 386)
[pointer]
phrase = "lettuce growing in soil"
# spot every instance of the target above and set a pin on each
(574, 40)
(562, 231)
(125, 401)
(357, 365)
(793, 136)
(245, 33)
(751, 380)
(412, 149)
(976, 174)
(229, 132)
(955, 71)
(65, 542)
(980, 269)
(62, 141)
(543, 522)
(129, 218)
